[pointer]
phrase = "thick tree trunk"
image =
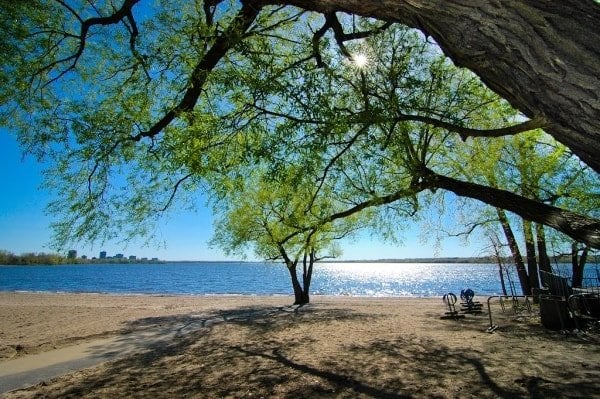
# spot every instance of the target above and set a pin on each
(540, 55)
(581, 228)
(514, 249)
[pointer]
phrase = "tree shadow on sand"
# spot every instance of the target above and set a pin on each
(286, 353)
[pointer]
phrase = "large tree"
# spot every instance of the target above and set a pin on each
(539, 168)
(383, 157)
(279, 219)
(151, 95)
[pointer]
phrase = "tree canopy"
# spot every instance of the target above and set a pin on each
(541, 56)
(139, 107)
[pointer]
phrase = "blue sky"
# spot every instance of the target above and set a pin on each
(24, 226)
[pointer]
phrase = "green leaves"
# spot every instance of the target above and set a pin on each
(268, 112)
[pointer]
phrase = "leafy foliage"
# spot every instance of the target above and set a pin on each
(265, 109)
(8, 258)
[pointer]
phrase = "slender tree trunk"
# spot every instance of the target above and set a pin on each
(540, 55)
(543, 259)
(307, 263)
(578, 263)
(516, 254)
(532, 266)
(501, 273)
(299, 295)
(498, 255)
(582, 262)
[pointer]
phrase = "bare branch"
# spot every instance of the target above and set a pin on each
(341, 37)
(209, 7)
(86, 25)
(332, 22)
(174, 192)
(470, 227)
(315, 43)
(370, 203)
(535, 123)
(464, 132)
(338, 33)
(133, 34)
(331, 163)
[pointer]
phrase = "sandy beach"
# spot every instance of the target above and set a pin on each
(336, 347)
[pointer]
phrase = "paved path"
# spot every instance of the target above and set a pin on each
(31, 369)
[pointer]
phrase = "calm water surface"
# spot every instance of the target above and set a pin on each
(230, 278)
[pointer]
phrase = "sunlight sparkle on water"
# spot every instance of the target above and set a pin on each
(398, 279)
(230, 278)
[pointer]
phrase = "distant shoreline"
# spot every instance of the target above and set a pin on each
(404, 260)
(43, 260)
(423, 260)
(466, 259)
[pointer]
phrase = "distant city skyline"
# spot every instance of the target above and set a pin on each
(24, 226)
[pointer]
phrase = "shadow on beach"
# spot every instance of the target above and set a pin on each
(331, 352)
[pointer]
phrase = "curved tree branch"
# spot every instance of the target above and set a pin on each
(174, 192)
(331, 164)
(223, 43)
(579, 227)
(317, 36)
(465, 132)
(370, 203)
(332, 22)
(119, 15)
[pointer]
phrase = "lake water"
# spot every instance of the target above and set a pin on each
(231, 278)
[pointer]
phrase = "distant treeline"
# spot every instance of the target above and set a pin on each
(32, 258)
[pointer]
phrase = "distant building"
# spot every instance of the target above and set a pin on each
(132, 257)
(72, 254)
(154, 259)
(119, 256)
(83, 256)
(102, 254)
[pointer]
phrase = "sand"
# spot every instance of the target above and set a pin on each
(336, 347)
